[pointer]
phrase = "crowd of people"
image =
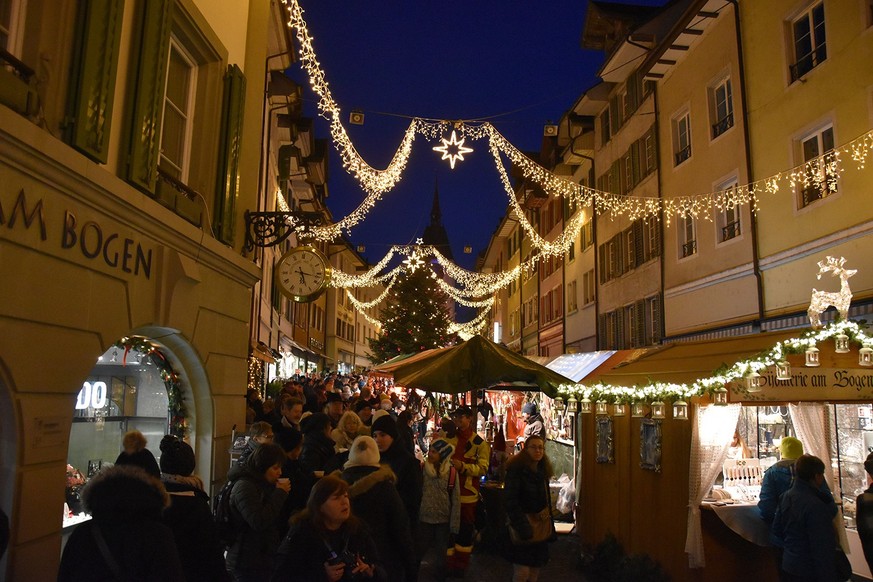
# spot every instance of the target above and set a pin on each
(336, 481)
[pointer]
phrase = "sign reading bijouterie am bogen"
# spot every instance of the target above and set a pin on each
(809, 384)
(86, 238)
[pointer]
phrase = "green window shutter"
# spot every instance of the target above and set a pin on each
(95, 68)
(147, 110)
(228, 162)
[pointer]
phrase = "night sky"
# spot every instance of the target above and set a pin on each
(517, 62)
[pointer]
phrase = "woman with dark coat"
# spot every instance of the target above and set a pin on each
(318, 446)
(327, 542)
(125, 539)
(134, 452)
(377, 503)
(255, 504)
(526, 490)
(189, 515)
(406, 467)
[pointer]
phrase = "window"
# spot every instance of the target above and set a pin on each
(572, 301)
(728, 218)
(721, 103)
(650, 152)
(653, 320)
(571, 252)
(651, 238)
(11, 23)
(681, 138)
(605, 134)
(687, 225)
(820, 175)
(629, 326)
(178, 113)
(587, 235)
(629, 248)
(588, 287)
(808, 32)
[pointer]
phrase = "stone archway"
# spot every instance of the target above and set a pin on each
(196, 391)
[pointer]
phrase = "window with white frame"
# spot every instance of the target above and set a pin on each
(820, 171)
(809, 42)
(653, 320)
(178, 112)
(588, 283)
(12, 14)
(721, 107)
(728, 217)
(629, 324)
(681, 137)
(652, 246)
(572, 300)
(629, 248)
(687, 226)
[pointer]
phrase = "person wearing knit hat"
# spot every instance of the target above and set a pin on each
(778, 479)
(377, 502)
(318, 447)
(135, 453)
(534, 423)
(376, 415)
(440, 513)
(333, 408)
(790, 448)
(402, 462)
(189, 515)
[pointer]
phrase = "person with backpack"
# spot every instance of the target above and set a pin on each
(440, 513)
(256, 500)
(189, 516)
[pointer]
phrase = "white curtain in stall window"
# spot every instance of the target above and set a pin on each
(811, 425)
(711, 435)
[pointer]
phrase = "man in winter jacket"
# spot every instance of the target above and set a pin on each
(534, 424)
(470, 459)
(804, 524)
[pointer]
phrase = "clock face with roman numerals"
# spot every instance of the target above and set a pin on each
(302, 274)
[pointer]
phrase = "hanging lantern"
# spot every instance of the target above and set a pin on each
(638, 410)
(601, 407)
(571, 404)
(812, 354)
(865, 356)
(719, 396)
(680, 410)
(619, 409)
(659, 410)
(753, 382)
(783, 370)
(585, 405)
(559, 404)
(842, 343)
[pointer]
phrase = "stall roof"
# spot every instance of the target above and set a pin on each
(577, 366)
(387, 368)
(691, 361)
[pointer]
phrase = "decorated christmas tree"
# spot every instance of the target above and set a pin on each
(415, 317)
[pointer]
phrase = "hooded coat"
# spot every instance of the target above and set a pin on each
(407, 468)
(376, 502)
(255, 506)
(535, 426)
(126, 505)
(318, 448)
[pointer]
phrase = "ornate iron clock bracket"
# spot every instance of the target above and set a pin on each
(267, 229)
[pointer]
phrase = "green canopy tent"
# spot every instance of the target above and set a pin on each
(475, 364)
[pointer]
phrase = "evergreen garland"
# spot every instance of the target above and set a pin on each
(415, 317)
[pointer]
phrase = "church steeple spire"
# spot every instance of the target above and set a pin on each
(435, 214)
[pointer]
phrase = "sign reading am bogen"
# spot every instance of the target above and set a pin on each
(809, 384)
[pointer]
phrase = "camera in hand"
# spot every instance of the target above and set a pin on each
(346, 558)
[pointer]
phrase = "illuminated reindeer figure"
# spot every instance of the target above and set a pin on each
(821, 300)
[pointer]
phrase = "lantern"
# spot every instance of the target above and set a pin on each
(638, 410)
(585, 405)
(601, 407)
(559, 404)
(865, 356)
(753, 382)
(659, 410)
(619, 409)
(571, 404)
(680, 410)
(783, 370)
(812, 357)
(719, 396)
(842, 343)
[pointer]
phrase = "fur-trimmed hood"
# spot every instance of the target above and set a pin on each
(362, 479)
(124, 493)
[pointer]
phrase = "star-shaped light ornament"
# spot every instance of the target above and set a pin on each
(414, 260)
(452, 149)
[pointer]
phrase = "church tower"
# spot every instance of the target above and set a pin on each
(435, 233)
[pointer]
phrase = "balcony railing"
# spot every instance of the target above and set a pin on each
(732, 230)
(722, 125)
(683, 154)
(808, 62)
(689, 248)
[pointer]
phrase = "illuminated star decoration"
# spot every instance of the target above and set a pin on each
(452, 149)
(414, 260)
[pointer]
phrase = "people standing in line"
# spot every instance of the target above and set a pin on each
(804, 523)
(327, 542)
(291, 412)
(471, 458)
(364, 410)
(404, 431)
(377, 502)
(256, 501)
(526, 491)
(125, 539)
(189, 515)
(347, 430)
(402, 462)
(440, 514)
(779, 477)
(864, 513)
(533, 422)
(134, 452)
(318, 447)
(253, 401)
(300, 479)
(333, 408)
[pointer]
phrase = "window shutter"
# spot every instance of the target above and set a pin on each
(618, 329)
(640, 323)
(656, 319)
(147, 110)
(602, 323)
(622, 266)
(228, 171)
(635, 160)
(657, 228)
(602, 267)
(92, 84)
(639, 257)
